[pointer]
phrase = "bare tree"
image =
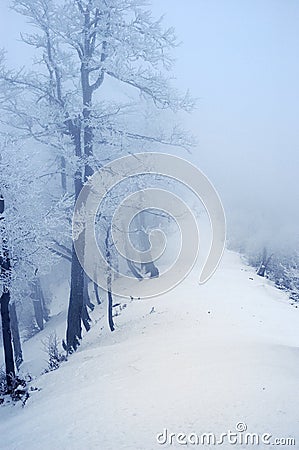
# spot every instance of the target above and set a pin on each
(16, 340)
(62, 104)
(4, 301)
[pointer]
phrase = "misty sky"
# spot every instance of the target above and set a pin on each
(241, 59)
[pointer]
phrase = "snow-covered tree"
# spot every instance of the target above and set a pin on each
(5, 266)
(85, 48)
(27, 234)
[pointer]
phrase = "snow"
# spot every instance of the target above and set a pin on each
(208, 357)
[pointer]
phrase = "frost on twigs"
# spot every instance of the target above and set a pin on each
(55, 357)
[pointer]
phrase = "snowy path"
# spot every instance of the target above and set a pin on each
(209, 357)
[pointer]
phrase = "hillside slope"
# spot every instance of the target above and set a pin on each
(197, 359)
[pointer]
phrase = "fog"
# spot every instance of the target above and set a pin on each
(240, 59)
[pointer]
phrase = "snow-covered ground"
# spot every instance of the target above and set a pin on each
(197, 359)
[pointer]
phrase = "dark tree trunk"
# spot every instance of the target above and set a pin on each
(109, 283)
(88, 171)
(151, 269)
(46, 311)
(261, 270)
(74, 330)
(77, 309)
(96, 291)
(38, 300)
(38, 313)
(86, 318)
(86, 303)
(110, 309)
(63, 175)
(7, 341)
(4, 300)
(17, 346)
(86, 297)
(134, 270)
(87, 138)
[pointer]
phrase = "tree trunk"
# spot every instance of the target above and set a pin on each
(110, 307)
(134, 270)
(86, 303)
(86, 297)
(109, 283)
(264, 264)
(63, 174)
(77, 309)
(17, 346)
(4, 300)
(86, 318)
(46, 311)
(96, 291)
(37, 296)
(7, 341)
(261, 270)
(74, 329)
(38, 313)
(148, 267)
